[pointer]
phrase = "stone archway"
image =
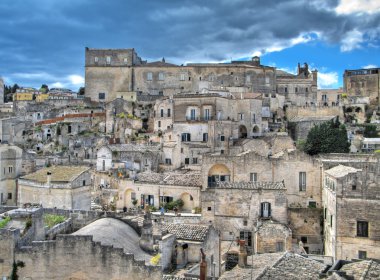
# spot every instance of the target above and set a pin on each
(128, 198)
(256, 130)
(242, 132)
(188, 202)
(218, 173)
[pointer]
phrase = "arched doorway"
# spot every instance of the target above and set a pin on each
(188, 202)
(255, 130)
(218, 173)
(242, 132)
(129, 196)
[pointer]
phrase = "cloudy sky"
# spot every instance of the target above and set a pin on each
(43, 41)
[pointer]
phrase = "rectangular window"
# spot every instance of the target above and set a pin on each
(169, 112)
(108, 60)
(247, 236)
(307, 89)
(206, 114)
(362, 255)
(254, 118)
(222, 138)
(102, 96)
(182, 76)
(296, 89)
(161, 76)
(331, 220)
(149, 76)
(10, 195)
(205, 137)
(192, 114)
(302, 181)
(10, 169)
(240, 116)
(159, 123)
(279, 246)
(96, 59)
(187, 161)
(195, 160)
(125, 60)
(162, 113)
(84, 182)
(168, 161)
(253, 177)
(185, 137)
(286, 89)
(362, 229)
(325, 213)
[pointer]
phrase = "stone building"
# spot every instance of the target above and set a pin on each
(252, 211)
(364, 83)
(156, 189)
(128, 158)
(11, 158)
(329, 97)
(66, 187)
(300, 89)
(112, 73)
(351, 206)
(194, 124)
(300, 173)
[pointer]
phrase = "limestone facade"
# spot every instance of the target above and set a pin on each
(351, 207)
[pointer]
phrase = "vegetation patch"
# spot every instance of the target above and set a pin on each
(50, 220)
(4, 222)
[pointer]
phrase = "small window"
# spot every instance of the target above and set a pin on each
(307, 89)
(102, 96)
(149, 76)
(286, 89)
(245, 223)
(10, 169)
(159, 123)
(279, 246)
(241, 116)
(96, 59)
(209, 208)
(302, 181)
(195, 160)
(253, 177)
(362, 229)
(186, 137)
(354, 187)
(312, 204)
(362, 255)
(108, 60)
(325, 215)
(182, 76)
(205, 137)
(304, 239)
(265, 210)
(296, 89)
(181, 150)
(187, 161)
(169, 112)
(10, 195)
(161, 76)
(222, 152)
(331, 220)
(168, 161)
(125, 60)
(84, 182)
(222, 138)
(162, 113)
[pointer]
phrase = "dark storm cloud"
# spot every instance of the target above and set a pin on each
(47, 37)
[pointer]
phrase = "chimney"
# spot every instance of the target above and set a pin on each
(242, 262)
(203, 266)
(48, 178)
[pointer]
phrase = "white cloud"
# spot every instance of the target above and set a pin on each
(370, 66)
(76, 79)
(346, 7)
(327, 79)
(56, 85)
(352, 41)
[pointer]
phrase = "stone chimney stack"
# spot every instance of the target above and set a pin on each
(48, 178)
(242, 262)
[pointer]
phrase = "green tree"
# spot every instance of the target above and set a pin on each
(370, 131)
(328, 137)
(44, 88)
(14, 88)
(81, 91)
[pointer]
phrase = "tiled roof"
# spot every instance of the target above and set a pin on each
(293, 267)
(171, 178)
(341, 171)
(252, 185)
(133, 148)
(367, 269)
(58, 174)
(311, 118)
(188, 232)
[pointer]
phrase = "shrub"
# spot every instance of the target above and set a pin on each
(50, 220)
(4, 222)
(156, 259)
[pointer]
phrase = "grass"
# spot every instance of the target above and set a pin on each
(4, 222)
(50, 220)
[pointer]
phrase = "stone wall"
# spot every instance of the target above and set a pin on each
(78, 257)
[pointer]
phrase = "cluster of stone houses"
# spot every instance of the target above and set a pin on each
(208, 152)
